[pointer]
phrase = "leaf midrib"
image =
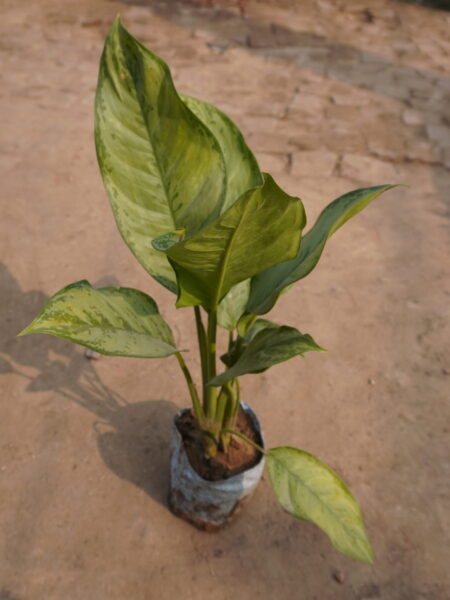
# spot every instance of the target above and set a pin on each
(155, 153)
(106, 329)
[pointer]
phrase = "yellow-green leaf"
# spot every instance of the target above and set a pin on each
(241, 167)
(266, 344)
(309, 489)
(259, 230)
(268, 285)
(242, 174)
(114, 321)
(233, 305)
(162, 167)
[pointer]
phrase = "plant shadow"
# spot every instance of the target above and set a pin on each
(134, 444)
(132, 438)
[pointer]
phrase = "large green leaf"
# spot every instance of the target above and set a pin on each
(162, 167)
(308, 489)
(259, 230)
(241, 167)
(268, 344)
(114, 321)
(267, 286)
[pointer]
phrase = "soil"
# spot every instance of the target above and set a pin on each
(240, 456)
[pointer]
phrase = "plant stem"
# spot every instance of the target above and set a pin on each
(227, 419)
(203, 347)
(246, 439)
(233, 408)
(198, 410)
(211, 392)
(222, 402)
(212, 333)
(238, 398)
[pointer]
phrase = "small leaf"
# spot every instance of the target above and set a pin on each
(244, 323)
(261, 325)
(233, 305)
(162, 167)
(308, 489)
(262, 228)
(241, 342)
(268, 344)
(113, 321)
(268, 285)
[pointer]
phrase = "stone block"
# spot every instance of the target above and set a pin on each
(272, 163)
(350, 97)
(446, 159)
(308, 105)
(343, 113)
(341, 136)
(367, 169)
(314, 163)
(255, 123)
(422, 151)
(267, 109)
(386, 142)
(439, 134)
(271, 143)
(412, 117)
(306, 140)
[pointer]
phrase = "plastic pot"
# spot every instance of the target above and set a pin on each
(209, 505)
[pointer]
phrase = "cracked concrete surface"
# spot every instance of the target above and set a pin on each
(331, 96)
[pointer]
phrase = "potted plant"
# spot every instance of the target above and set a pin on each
(197, 213)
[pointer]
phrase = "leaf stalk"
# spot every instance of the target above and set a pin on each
(246, 439)
(198, 409)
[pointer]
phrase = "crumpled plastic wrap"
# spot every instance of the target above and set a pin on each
(206, 504)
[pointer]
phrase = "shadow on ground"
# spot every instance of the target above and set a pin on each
(6, 595)
(127, 434)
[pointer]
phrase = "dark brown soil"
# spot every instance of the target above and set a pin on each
(240, 456)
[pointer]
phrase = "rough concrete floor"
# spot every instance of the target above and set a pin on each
(332, 95)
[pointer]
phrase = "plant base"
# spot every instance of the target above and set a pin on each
(209, 505)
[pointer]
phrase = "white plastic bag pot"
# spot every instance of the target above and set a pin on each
(207, 504)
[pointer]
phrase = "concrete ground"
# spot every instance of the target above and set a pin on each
(332, 95)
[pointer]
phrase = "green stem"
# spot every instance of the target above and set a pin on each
(246, 439)
(238, 398)
(211, 392)
(198, 410)
(233, 409)
(228, 418)
(203, 347)
(223, 400)
(212, 333)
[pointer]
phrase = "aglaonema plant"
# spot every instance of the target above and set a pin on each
(195, 210)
